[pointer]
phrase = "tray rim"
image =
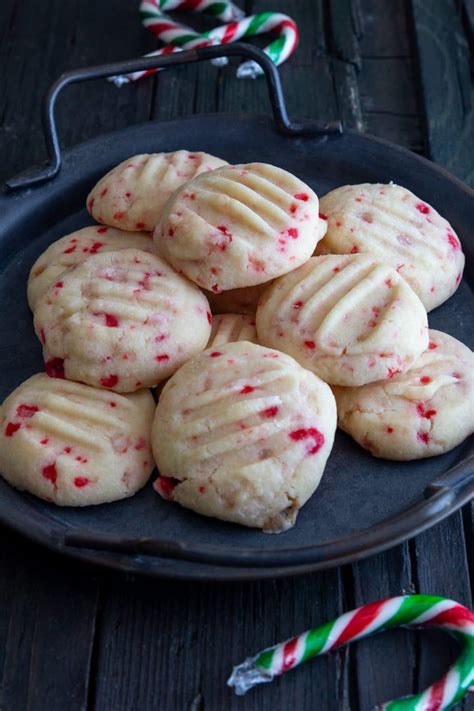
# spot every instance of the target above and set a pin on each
(453, 499)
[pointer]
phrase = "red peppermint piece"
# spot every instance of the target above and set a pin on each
(165, 485)
(81, 481)
(11, 428)
(95, 247)
(453, 241)
(421, 207)
(310, 433)
(428, 414)
(301, 196)
(109, 381)
(26, 410)
(111, 321)
(310, 344)
(269, 412)
(50, 473)
(55, 368)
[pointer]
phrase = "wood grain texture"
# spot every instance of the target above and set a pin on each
(47, 623)
(61, 37)
(73, 637)
(445, 75)
(190, 636)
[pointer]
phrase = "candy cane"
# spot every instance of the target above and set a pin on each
(174, 33)
(220, 9)
(279, 50)
(121, 79)
(170, 31)
(412, 611)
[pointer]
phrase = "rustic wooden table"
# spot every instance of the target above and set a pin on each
(76, 637)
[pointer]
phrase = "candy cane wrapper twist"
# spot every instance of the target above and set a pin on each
(412, 611)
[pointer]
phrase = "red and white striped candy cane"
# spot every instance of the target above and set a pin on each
(413, 611)
(279, 50)
(121, 79)
(220, 9)
(182, 37)
(168, 30)
(173, 33)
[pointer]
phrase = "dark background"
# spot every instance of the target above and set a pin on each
(76, 637)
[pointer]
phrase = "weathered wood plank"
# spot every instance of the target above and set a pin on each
(48, 607)
(404, 130)
(63, 36)
(388, 86)
(446, 86)
(190, 636)
(345, 30)
(384, 29)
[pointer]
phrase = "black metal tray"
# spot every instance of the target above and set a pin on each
(363, 505)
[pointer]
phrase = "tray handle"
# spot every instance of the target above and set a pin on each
(47, 171)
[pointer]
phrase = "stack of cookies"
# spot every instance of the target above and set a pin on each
(258, 316)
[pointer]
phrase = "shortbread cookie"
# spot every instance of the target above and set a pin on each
(396, 227)
(75, 445)
(245, 300)
(121, 320)
(348, 318)
(239, 226)
(132, 195)
(426, 411)
(242, 433)
(75, 248)
(228, 328)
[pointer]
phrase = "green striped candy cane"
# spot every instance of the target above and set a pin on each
(412, 611)
(220, 9)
